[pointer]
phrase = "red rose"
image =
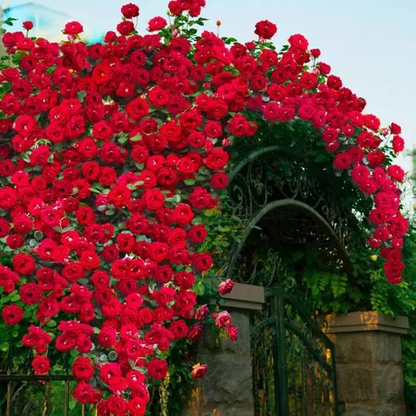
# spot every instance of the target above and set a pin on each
(299, 42)
(116, 405)
(137, 108)
(153, 199)
(223, 319)
(89, 260)
(202, 261)
(265, 29)
(393, 270)
(157, 23)
(73, 28)
(197, 234)
(376, 158)
(15, 241)
(157, 368)
(125, 27)
(232, 331)
(12, 314)
(41, 365)
(398, 144)
(130, 10)
(395, 128)
(219, 180)
(199, 371)
(9, 40)
(137, 406)
(4, 228)
(107, 337)
(30, 293)
(23, 264)
(84, 393)
(226, 287)
(396, 173)
(179, 329)
(342, 161)
(183, 214)
(83, 369)
(28, 25)
(216, 159)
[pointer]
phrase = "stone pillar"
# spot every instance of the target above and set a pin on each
(369, 362)
(227, 388)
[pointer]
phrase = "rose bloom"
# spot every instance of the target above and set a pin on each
(82, 369)
(226, 287)
(232, 332)
(157, 368)
(12, 314)
(130, 10)
(41, 365)
(199, 370)
(223, 319)
(73, 28)
(265, 29)
(157, 23)
(27, 25)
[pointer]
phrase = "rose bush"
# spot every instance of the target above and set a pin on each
(111, 155)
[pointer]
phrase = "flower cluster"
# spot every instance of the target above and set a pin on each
(112, 154)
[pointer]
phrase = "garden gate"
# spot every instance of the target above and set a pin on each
(288, 205)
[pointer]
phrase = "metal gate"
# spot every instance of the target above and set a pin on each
(293, 361)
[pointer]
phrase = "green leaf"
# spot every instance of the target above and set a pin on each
(4, 346)
(136, 138)
(199, 288)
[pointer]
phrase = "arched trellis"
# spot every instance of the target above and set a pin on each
(297, 206)
(252, 188)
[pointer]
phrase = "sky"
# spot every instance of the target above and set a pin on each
(370, 44)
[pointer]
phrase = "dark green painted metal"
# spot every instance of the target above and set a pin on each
(280, 325)
(257, 154)
(297, 206)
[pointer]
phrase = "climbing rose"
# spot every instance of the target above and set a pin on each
(41, 365)
(265, 29)
(12, 314)
(226, 287)
(199, 370)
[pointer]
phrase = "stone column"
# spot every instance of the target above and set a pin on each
(227, 388)
(369, 362)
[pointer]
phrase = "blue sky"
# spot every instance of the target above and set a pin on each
(370, 44)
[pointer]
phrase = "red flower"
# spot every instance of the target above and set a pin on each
(84, 393)
(299, 42)
(83, 369)
(199, 370)
(226, 287)
(398, 144)
(125, 27)
(265, 29)
(73, 28)
(395, 128)
(130, 10)
(41, 365)
(396, 173)
(157, 23)
(12, 314)
(27, 25)
(157, 369)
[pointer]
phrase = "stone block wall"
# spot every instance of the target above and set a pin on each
(369, 365)
(227, 387)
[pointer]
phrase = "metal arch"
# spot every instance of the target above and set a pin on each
(300, 207)
(255, 155)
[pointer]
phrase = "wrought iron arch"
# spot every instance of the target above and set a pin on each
(296, 206)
